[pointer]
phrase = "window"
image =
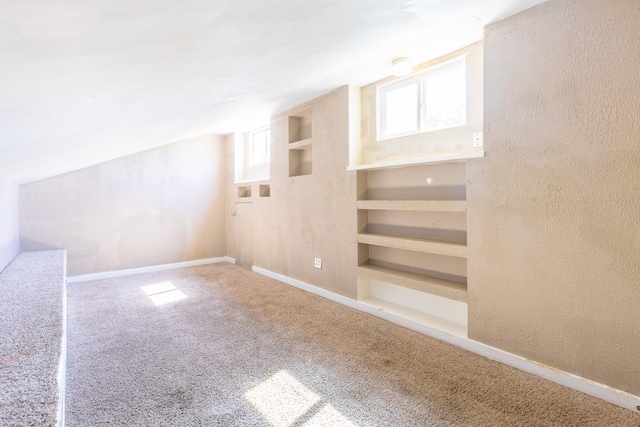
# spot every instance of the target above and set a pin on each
(432, 100)
(259, 146)
(252, 155)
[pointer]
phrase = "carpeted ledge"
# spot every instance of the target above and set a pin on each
(31, 323)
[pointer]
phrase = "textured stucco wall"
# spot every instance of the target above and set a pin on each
(314, 215)
(306, 216)
(9, 229)
(231, 193)
(160, 206)
(554, 223)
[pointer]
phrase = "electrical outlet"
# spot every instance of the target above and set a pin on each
(317, 263)
(477, 139)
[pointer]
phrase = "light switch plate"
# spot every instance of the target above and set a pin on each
(477, 139)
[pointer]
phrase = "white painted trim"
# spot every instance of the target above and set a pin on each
(62, 364)
(592, 388)
(252, 181)
(307, 287)
(149, 269)
(439, 158)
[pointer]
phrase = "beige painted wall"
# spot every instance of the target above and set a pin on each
(231, 192)
(9, 229)
(157, 207)
(554, 231)
(311, 215)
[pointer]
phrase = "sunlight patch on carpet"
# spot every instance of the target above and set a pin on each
(163, 293)
(329, 416)
(284, 401)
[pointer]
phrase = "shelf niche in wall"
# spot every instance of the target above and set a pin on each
(300, 127)
(265, 190)
(300, 139)
(412, 243)
(244, 191)
(300, 162)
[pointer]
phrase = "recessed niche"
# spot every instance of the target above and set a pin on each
(300, 161)
(300, 142)
(244, 191)
(412, 234)
(300, 127)
(265, 190)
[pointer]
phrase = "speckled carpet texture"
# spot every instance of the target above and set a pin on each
(219, 345)
(31, 297)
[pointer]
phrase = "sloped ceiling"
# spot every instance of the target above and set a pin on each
(82, 82)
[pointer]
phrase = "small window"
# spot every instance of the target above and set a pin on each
(431, 100)
(401, 110)
(260, 146)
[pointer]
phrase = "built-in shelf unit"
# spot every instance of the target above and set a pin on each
(300, 143)
(412, 250)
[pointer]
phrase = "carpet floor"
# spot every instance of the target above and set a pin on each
(31, 319)
(219, 345)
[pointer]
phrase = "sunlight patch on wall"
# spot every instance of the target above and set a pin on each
(284, 401)
(163, 293)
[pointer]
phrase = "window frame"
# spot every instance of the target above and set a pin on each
(417, 78)
(250, 150)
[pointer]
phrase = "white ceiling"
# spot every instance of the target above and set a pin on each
(82, 82)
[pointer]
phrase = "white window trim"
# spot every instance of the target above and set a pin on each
(413, 78)
(249, 147)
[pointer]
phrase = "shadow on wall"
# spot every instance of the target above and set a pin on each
(28, 245)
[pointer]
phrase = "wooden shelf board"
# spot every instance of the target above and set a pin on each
(414, 205)
(415, 244)
(439, 158)
(300, 145)
(419, 282)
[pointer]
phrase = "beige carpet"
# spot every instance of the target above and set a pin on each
(31, 297)
(227, 347)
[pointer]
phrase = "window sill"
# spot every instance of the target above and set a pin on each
(252, 181)
(440, 158)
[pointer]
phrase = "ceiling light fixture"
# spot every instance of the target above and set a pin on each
(401, 67)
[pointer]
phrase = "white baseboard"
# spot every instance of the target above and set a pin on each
(592, 388)
(149, 269)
